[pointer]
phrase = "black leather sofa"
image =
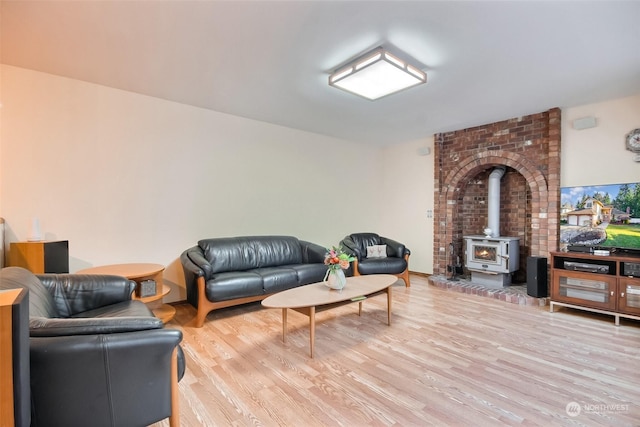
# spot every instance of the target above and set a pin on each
(394, 260)
(222, 272)
(97, 358)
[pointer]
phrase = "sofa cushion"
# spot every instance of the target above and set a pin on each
(129, 308)
(232, 285)
(44, 327)
(309, 273)
(276, 279)
(41, 303)
(250, 252)
(382, 266)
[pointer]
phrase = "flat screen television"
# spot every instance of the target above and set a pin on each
(600, 217)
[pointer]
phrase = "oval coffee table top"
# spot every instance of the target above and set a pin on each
(317, 294)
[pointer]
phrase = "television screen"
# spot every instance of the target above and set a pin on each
(600, 216)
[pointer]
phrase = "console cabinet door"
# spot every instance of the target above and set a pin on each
(586, 289)
(629, 296)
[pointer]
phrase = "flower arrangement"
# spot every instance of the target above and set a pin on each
(337, 258)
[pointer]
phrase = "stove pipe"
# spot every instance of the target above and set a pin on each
(494, 200)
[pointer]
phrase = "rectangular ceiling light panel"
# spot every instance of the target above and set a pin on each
(377, 74)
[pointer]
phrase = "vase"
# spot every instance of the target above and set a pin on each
(335, 279)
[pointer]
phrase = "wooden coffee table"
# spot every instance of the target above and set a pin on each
(317, 297)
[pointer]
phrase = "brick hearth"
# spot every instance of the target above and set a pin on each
(515, 294)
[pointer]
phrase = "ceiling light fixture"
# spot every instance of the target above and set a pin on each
(377, 74)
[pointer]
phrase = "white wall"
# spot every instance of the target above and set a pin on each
(598, 155)
(406, 195)
(130, 178)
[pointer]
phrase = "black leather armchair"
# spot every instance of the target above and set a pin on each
(98, 358)
(391, 257)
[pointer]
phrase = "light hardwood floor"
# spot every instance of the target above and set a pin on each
(447, 359)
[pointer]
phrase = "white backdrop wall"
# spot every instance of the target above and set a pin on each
(598, 155)
(130, 178)
(407, 193)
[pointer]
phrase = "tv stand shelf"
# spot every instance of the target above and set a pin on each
(600, 284)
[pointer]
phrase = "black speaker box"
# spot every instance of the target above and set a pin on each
(537, 277)
(56, 257)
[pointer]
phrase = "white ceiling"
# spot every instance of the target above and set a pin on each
(270, 61)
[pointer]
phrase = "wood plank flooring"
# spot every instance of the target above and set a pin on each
(448, 358)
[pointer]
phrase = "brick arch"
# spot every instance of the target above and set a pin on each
(474, 164)
(471, 165)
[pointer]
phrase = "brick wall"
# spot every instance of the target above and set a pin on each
(529, 147)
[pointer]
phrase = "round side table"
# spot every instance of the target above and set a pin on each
(139, 272)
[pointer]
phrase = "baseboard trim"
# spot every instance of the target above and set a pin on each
(420, 274)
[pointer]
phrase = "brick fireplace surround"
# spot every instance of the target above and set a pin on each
(529, 147)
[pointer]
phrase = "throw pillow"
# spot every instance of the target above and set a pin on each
(377, 251)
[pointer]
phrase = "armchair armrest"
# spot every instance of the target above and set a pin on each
(312, 253)
(352, 248)
(76, 293)
(108, 379)
(398, 249)
(46, 327)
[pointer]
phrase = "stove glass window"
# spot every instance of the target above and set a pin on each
(484, 253)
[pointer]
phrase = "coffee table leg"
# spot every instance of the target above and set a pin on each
(389, 305)
(284, 325)
(312, 328)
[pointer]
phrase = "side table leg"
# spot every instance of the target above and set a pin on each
(284, 325)
(312, 328)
